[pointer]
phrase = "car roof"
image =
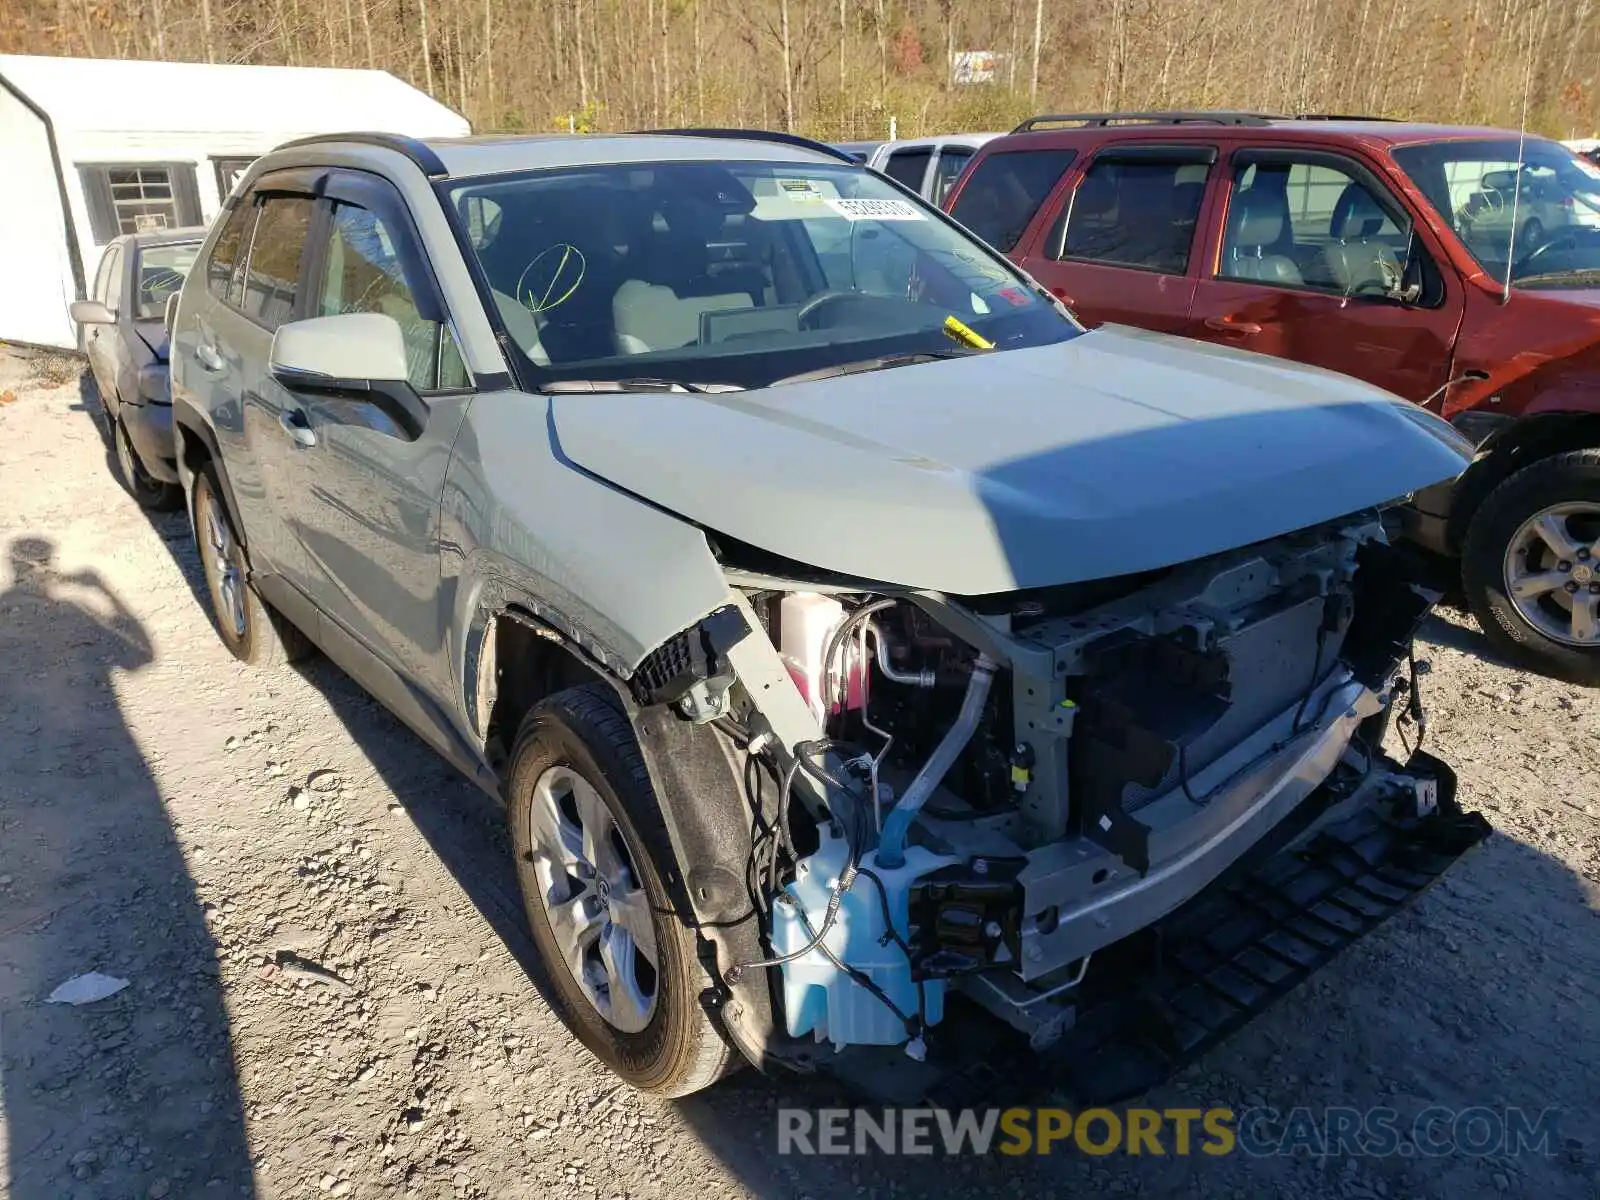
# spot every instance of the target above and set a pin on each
(1199, 126)
(976, 139)
(492, 154)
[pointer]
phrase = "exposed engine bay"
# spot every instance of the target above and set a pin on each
(980, 795)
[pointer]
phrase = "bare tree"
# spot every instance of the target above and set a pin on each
(808, 64)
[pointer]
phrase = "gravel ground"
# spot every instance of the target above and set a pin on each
(320, 928)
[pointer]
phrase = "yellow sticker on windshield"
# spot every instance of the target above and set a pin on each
(965, 334)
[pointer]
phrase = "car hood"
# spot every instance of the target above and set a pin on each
(1114, 452)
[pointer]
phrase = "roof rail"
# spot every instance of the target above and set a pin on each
(420, 153)
(757, 135)
(1338, 117)
(1143, 118)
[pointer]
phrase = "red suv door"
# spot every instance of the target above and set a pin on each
(1320, 262)
(1118, 244)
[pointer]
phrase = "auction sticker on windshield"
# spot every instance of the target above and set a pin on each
(875, 210)
(800, 190)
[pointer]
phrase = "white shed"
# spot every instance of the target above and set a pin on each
(97, 147)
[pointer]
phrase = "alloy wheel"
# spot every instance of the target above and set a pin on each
(1552, 573)
(226, 577)
(597, 910)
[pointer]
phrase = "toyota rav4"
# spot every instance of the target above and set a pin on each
(846, 630)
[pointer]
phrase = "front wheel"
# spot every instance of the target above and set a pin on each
(593, 858)
(1531, 566)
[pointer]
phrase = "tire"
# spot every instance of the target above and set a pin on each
(575, 740)
(247, 625)
(1489, 556)
(152, 494)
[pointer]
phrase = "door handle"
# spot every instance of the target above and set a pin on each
(294, 423)
(1229, 325)
(207, 357)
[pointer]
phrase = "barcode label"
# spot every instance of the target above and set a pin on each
(875, 210)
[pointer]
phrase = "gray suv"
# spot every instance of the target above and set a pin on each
(845, 628)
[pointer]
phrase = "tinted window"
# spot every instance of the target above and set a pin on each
(952, 159)
(279, 244)
(908, 167)
(1006, 190)
(229, 252)
(363, 274)
(1311, 225)
(1136, 214)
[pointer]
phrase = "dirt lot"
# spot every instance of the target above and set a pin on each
(170, 818)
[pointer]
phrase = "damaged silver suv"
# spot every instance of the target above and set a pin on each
(861, 648)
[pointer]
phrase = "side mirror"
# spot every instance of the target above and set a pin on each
(92, 312)
(353, 356)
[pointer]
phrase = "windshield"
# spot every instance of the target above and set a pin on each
(161, 271)
(735, 273)
(1540, 213)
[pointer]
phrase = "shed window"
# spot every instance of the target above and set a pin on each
(139, 197)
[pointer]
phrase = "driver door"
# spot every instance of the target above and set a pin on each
(1287, 276)
(361, 502)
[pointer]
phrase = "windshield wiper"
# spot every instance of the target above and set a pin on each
(583, 387)
(883, 362)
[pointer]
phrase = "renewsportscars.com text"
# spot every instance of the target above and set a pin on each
(1216, 1131)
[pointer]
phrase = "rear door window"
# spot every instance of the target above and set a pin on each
(223, 277)
(1135, 213)
(909, 167)
(1005, 192)
(272, 280)
(952, 161)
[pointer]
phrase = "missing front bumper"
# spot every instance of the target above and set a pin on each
(1191, 980)
(1162, 997)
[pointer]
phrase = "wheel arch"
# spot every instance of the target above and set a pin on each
(197, 447)
(518, 658)
(1540, 435)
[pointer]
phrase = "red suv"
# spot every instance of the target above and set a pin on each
(1459, 268)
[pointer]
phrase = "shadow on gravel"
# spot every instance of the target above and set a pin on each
(89, 402)
(1464, 635)
(134, 1094)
